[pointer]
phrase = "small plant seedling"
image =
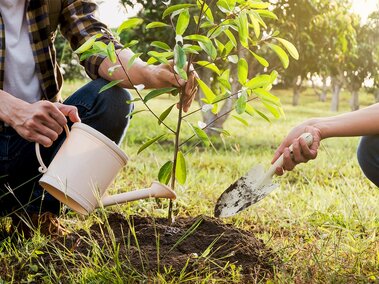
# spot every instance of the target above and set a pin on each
(214, 35)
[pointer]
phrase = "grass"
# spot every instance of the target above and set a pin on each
(322, 221)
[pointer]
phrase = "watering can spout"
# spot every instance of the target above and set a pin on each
(156, 189)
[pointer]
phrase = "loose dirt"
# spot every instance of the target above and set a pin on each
(199, 245)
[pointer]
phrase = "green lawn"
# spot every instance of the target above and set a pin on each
(323, 220)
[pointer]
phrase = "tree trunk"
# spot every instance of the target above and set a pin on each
(314, 87)
(336, 90)
(324, 91)
(217, 120)
(376, 94)
(296, 91)
(354, 102)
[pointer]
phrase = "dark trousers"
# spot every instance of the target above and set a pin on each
(108, 112)
(368, 157)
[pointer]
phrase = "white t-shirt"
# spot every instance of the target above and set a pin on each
(20, 75)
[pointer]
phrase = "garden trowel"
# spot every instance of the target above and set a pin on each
(251, 188)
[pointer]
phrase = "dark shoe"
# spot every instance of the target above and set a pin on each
(47, 223)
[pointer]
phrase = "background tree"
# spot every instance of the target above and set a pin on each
(295, 25)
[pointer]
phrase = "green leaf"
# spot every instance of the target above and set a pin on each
(231, 37)
(197, 37)
(274, 110)
(202, 135)
(281, 54)
(208, 93)
(267, 96)
(153, 25)
(110, 85)
(222, 131)
(255, 24)
(233, 59)
(131, 43)
(267, 14)
(162, 57)
(209, 48)
(260, 59)
(88, 53)
(129, 24)
(174, 8)
(290, 47)
(240, 119)
(88, 44)
(99, 46)
(180, 57)
(161, 45)
(133, 59)
(157, 92)
(207, 10)
(243, 29)
(250, 110)
(259, 5)
(180, 71)
(241, 103)
(242, 71)
(164, 114)
(226, 6)
(150, 142)
(181, 170)
(265, 117)
(183, 22)
(216, 31)
(259, 81)
(111, 52)
(165, 173)
(205, 43)
(210, 66)
(136, 112)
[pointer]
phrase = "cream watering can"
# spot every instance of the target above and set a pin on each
(83, 169)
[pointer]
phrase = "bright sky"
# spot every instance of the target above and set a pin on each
(365, 7)
(113, 14)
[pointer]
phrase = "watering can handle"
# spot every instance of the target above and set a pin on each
(43, 169)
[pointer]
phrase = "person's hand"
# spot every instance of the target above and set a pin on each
(301, 152)
(43, 121)
(163, 75)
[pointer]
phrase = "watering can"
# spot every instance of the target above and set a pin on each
(84, 168)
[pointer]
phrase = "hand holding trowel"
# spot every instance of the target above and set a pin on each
(251, 188)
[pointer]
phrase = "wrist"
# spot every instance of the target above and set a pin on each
(10, 108)
(321, 125)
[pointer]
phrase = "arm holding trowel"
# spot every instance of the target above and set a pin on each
(364, 122)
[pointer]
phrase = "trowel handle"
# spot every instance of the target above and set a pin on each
(279, 162)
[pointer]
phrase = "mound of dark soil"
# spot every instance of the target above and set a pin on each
(190, 244)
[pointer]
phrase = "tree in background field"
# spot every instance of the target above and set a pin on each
(360, 63)
(335, 41)
(372, 35)
(295, 25)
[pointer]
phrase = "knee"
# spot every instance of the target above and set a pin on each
(114, 101)
(111, 111)
(368, 157)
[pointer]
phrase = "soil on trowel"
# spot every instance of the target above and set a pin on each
(190, 244)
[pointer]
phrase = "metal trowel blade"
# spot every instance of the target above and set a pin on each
(244, 192)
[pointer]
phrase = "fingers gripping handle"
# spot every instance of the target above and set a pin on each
(279, 162)
(43, 169)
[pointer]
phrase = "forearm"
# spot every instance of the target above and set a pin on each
(363, 122)
(8, 106)
(136, 74)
